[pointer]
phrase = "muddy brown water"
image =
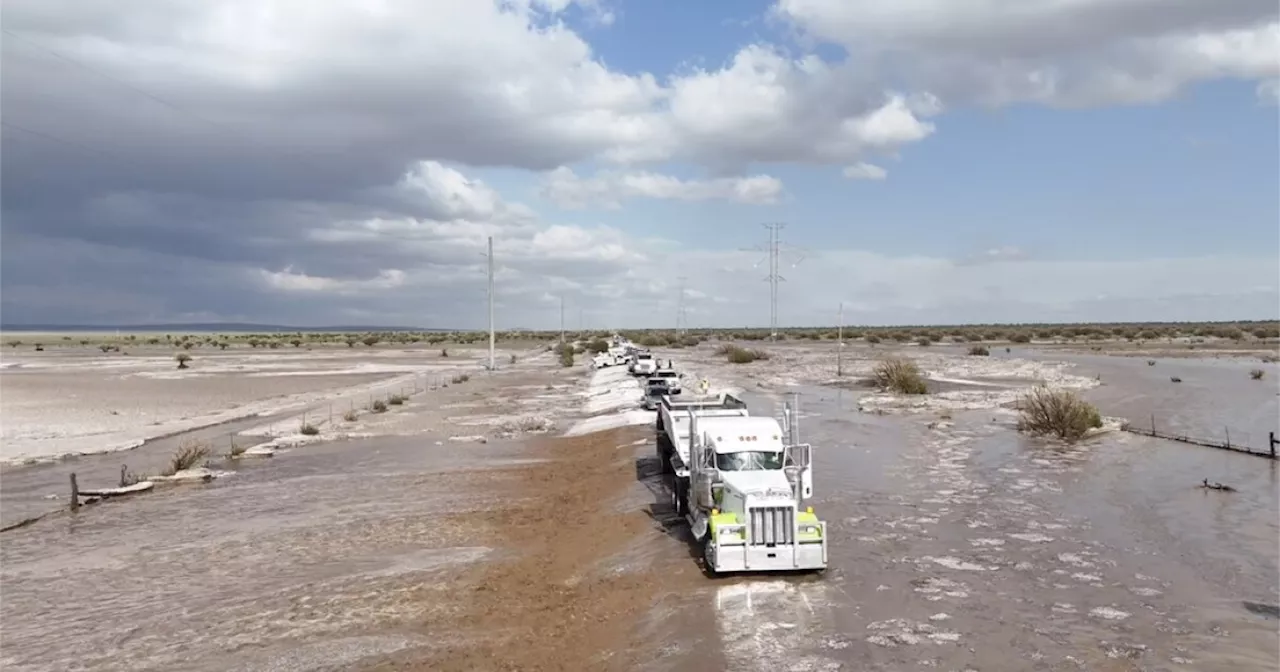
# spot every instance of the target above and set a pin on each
(960, 545)
(963, 545)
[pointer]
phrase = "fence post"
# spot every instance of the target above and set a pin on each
(1228, 432)
(124, 469)
(1153, 424)
(75, 493)
(1272, 437)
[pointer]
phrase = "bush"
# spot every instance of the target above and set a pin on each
(188, 455)
(924, 341)
(979, 351)
(308, 429)
(1257, 374)
(395, 400)
(566, 354)
(1059, 413)
(598, 345)
(899, 375)
(872, 338)
(350, 416)
(1020, 338)
(513, 359)
(444, 352)
(737, 354)
(378, 406)
(461, 378)
(182, 359)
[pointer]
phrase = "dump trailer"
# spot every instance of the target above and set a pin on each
(741, 482)
(672, 431)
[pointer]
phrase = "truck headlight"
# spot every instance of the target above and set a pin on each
(808, 529)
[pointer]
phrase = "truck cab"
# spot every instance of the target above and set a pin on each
(654, 390)
(643, 364)
(744, 495)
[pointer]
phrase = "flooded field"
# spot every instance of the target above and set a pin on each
(956, 543)
(959, 544)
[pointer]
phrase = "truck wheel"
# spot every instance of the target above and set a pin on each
(682, 497)
(706, 555)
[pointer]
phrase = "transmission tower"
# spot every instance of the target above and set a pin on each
(775, 249)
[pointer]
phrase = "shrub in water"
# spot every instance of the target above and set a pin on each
(1059, 413)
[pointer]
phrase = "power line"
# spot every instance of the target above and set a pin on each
(116, 80)
(774, 249)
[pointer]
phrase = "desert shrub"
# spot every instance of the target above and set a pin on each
(308, 429)
(924, 341)
(1151, 362)
(899, 375)
(188, 455)
(737, 354)
(461, 378)
(104, 348)
(350, 341)
(598, 345)
(565, 351)
(1059, 413)
(979, 351)
(39, 347)
(182, 358)
(1019, 338)
(295, 342)
(444, 352)
(236, 449)
(370, 340)
(378, 406)
(187, 345)
(1257, 374)
(395, 400)
(512, 360)
(350, 416)
(872, 338)
(223, 345)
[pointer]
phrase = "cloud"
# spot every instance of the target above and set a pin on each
(865, 171)
(609, 189)
(1062, 53)
(1268, 92)
(282, 161)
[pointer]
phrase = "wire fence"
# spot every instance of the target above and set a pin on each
(1240, 441)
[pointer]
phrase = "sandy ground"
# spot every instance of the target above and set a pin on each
(59, 403)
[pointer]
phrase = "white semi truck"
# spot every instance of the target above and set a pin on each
(740, 481)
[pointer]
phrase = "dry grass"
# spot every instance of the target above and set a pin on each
(1060, 413)
(736, 354)
(979, 351)
(188, 455)
(395, 400)
(350, 416)
(1257, 374)
(378, 406)
(308, 429)
(899, 375)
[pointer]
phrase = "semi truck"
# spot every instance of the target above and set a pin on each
(741, 481)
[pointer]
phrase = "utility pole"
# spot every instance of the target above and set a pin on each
(562, 319)
(491, 297)
(840, 342)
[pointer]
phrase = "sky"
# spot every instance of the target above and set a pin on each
(931, 161)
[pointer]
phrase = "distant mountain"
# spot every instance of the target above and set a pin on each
(203, 327)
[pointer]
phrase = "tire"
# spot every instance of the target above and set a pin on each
(706, 555)
(682, 497)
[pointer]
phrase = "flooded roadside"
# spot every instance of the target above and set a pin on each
(959, 544)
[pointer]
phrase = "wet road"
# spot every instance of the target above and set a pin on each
(963, 545)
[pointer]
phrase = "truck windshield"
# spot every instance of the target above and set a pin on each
(753, 460)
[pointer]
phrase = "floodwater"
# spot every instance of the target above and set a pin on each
(955, 545)
(284, 566)
(963, 545)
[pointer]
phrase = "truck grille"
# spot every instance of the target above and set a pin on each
(772, 525)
